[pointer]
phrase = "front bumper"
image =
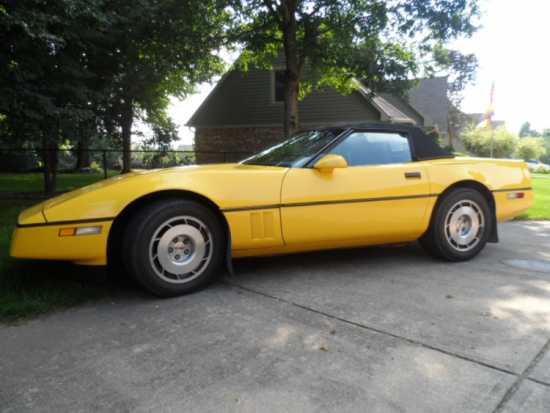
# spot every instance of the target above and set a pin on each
(42, 241)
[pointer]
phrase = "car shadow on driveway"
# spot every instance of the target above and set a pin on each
(337, 259)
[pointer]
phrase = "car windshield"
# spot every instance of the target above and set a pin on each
(296, 151)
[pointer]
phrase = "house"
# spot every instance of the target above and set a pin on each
(244, 112)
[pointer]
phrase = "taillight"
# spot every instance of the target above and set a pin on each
(515, 195)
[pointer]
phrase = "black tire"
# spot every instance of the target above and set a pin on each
(164, 220)
(438, 242)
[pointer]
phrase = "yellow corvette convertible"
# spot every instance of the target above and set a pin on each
(173, 229)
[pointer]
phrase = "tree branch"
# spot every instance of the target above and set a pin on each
(312, 12)
(269, 4)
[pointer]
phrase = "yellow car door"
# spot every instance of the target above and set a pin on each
(382, 195)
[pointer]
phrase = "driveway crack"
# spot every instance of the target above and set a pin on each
(403, 338)
(524, 375)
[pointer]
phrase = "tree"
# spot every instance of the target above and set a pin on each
(159, 48)
(44, 76)
(332, 42)
(526, 130)
(531, 148)
(71, 70)
(478, 141)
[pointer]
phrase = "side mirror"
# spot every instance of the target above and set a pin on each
(329, 162)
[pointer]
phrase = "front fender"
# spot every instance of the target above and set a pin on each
(226, 187)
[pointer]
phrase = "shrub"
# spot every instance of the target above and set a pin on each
(540, 169)
(478, 141)
(530, 148)
(96, 167)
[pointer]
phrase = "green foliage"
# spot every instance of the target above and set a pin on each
(530, 148)
(382, 43)
(540, 169)
(166, 159)
(546, 157)
(162, 48)
(526, 130)
(45, 77)
(460, 68)
(163, 128)
(77, 70)
(478, 141)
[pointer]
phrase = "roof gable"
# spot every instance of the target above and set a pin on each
(429, 99)
(245, 99)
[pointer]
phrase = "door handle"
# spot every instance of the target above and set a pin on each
(413, 175)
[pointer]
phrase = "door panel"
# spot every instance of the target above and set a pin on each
(370, 204)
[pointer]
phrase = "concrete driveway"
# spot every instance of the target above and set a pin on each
(374, 330)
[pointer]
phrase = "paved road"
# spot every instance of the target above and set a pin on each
(377, 330)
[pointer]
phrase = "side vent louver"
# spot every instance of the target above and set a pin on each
(261, 225)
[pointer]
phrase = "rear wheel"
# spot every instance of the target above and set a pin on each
(460, 227)
(174, 247)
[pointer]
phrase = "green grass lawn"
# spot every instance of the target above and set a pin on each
(541, 207)
(33, 182)
(29, 288)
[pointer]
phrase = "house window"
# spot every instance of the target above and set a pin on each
(279, 85)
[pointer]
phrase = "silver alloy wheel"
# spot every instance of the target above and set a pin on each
(464, 225)
(181, 249)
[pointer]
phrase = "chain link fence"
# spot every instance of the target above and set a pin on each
(22, 160)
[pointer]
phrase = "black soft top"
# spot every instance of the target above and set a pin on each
(424, 147)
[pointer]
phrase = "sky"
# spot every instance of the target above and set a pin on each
(513, 51)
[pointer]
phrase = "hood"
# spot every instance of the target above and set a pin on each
(224, 184)
(35, 214)
(127, 178)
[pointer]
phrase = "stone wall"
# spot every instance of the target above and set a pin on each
(237, 143)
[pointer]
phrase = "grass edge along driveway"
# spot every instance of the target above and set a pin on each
(29, 288)
(540, 211)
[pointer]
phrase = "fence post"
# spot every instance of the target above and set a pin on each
(104, 163)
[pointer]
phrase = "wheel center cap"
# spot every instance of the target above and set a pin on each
(180, 249)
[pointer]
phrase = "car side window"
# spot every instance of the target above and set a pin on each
(374, 148)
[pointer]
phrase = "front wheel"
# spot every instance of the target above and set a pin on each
(460, 226)
(174, 247)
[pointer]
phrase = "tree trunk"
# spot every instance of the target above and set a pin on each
(49, 157)
(452, 120)
(127, 120)
(82, 151)
(293, 67)
(291, 121)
